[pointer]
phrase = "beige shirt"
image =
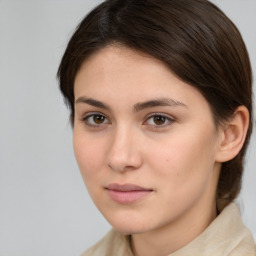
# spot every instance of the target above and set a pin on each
(225, 236)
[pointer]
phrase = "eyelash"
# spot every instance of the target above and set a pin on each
(85, 119)
(167, 120)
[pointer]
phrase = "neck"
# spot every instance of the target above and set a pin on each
(169, 238)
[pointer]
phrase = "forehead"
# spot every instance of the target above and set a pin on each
(117, 72)
(122, 65)
(113, 58)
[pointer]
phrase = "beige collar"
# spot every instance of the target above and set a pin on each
(225, 236)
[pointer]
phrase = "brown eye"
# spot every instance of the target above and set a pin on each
(95, 120)
(98, 119)
(159, 120)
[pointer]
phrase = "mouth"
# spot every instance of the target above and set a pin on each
(127, 193)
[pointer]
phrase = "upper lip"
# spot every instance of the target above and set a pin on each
(126, 187)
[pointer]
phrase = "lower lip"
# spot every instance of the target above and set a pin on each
(127, 197)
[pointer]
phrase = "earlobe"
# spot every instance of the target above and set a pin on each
(233, 135)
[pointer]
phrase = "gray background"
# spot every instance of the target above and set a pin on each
(44, 207)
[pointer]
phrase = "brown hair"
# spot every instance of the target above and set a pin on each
(194, 38)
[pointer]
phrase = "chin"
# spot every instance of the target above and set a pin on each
(128, 225)
(128, 230)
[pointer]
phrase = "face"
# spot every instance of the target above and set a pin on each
(145, 142)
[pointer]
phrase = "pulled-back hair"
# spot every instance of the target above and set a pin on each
(194, 38)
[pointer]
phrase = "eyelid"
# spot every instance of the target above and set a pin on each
(160, 114)
(86, 116)
(170, 118)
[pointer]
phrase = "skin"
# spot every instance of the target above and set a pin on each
(175, 157)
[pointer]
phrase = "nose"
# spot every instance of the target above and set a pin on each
(123, 154)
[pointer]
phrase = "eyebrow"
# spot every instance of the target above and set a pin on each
(93, 102)
(158, 102)
(138, 106)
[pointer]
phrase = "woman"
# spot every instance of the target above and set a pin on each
(160, 94)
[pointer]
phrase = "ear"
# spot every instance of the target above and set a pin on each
(233, 134)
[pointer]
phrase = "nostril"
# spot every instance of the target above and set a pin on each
(123, 154)
(122, 164)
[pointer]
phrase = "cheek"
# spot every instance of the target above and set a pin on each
(89, 156)
(183, 162)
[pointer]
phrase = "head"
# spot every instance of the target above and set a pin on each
(192, 39)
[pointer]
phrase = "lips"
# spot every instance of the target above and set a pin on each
(127, 193)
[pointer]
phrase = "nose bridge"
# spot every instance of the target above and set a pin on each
(123, 152)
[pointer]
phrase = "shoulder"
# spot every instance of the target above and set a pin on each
(112, 244)
(237, 237)
(225, 236)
